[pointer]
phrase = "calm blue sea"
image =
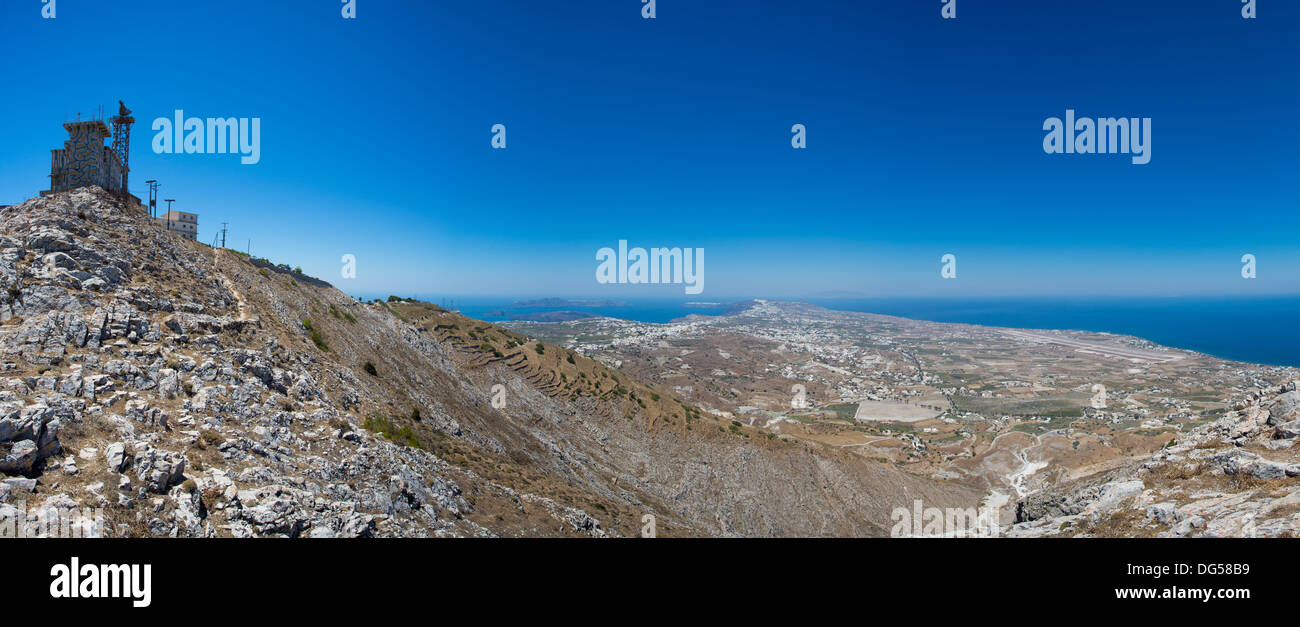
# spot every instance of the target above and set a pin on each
(1263, 330)
(1251, 328)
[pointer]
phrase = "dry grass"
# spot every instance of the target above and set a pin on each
(1127, 523)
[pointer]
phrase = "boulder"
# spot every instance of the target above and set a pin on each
(1287, 430)
(116, 455)
(19, 458)
(1284, 409)
(157, 469)
(169, 383)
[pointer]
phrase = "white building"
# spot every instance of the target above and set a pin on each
(181, 223)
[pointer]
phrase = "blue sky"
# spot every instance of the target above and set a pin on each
(924, 138)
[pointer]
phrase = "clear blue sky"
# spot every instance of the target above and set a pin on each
(924, 138)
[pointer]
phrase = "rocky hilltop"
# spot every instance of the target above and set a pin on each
(182, 390)
(1234, 477)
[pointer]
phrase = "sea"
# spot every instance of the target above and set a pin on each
(1254, 329)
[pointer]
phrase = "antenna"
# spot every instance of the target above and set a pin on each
(122, 142)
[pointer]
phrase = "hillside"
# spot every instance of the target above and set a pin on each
(192, 391)
(1234, 477)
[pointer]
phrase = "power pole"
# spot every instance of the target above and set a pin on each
(169, 202)
(223, 234)
(153, 198)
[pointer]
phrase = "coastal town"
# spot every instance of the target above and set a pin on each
(956, 401)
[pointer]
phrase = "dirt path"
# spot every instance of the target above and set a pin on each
(217, 255)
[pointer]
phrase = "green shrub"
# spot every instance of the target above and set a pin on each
(316, 337)
(342, 315)
(401, 435)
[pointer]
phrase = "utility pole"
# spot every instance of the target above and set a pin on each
(223, 234)
(169, 202)
(153, 198)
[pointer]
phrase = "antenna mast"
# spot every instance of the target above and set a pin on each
(122, 142)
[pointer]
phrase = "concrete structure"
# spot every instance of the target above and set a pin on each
(181, 223)
(85, 160)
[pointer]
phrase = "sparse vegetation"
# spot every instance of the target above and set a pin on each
(403, 435)
(342, 315)
(316, 337)
(208, 437)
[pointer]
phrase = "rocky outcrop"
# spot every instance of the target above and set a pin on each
(1236, 476)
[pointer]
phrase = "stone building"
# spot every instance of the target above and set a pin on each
(85, 160)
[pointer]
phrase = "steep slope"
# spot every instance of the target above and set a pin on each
(187, 390)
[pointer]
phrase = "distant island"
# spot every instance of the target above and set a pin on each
(541, 316)
(728, 309)
(566, 302)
